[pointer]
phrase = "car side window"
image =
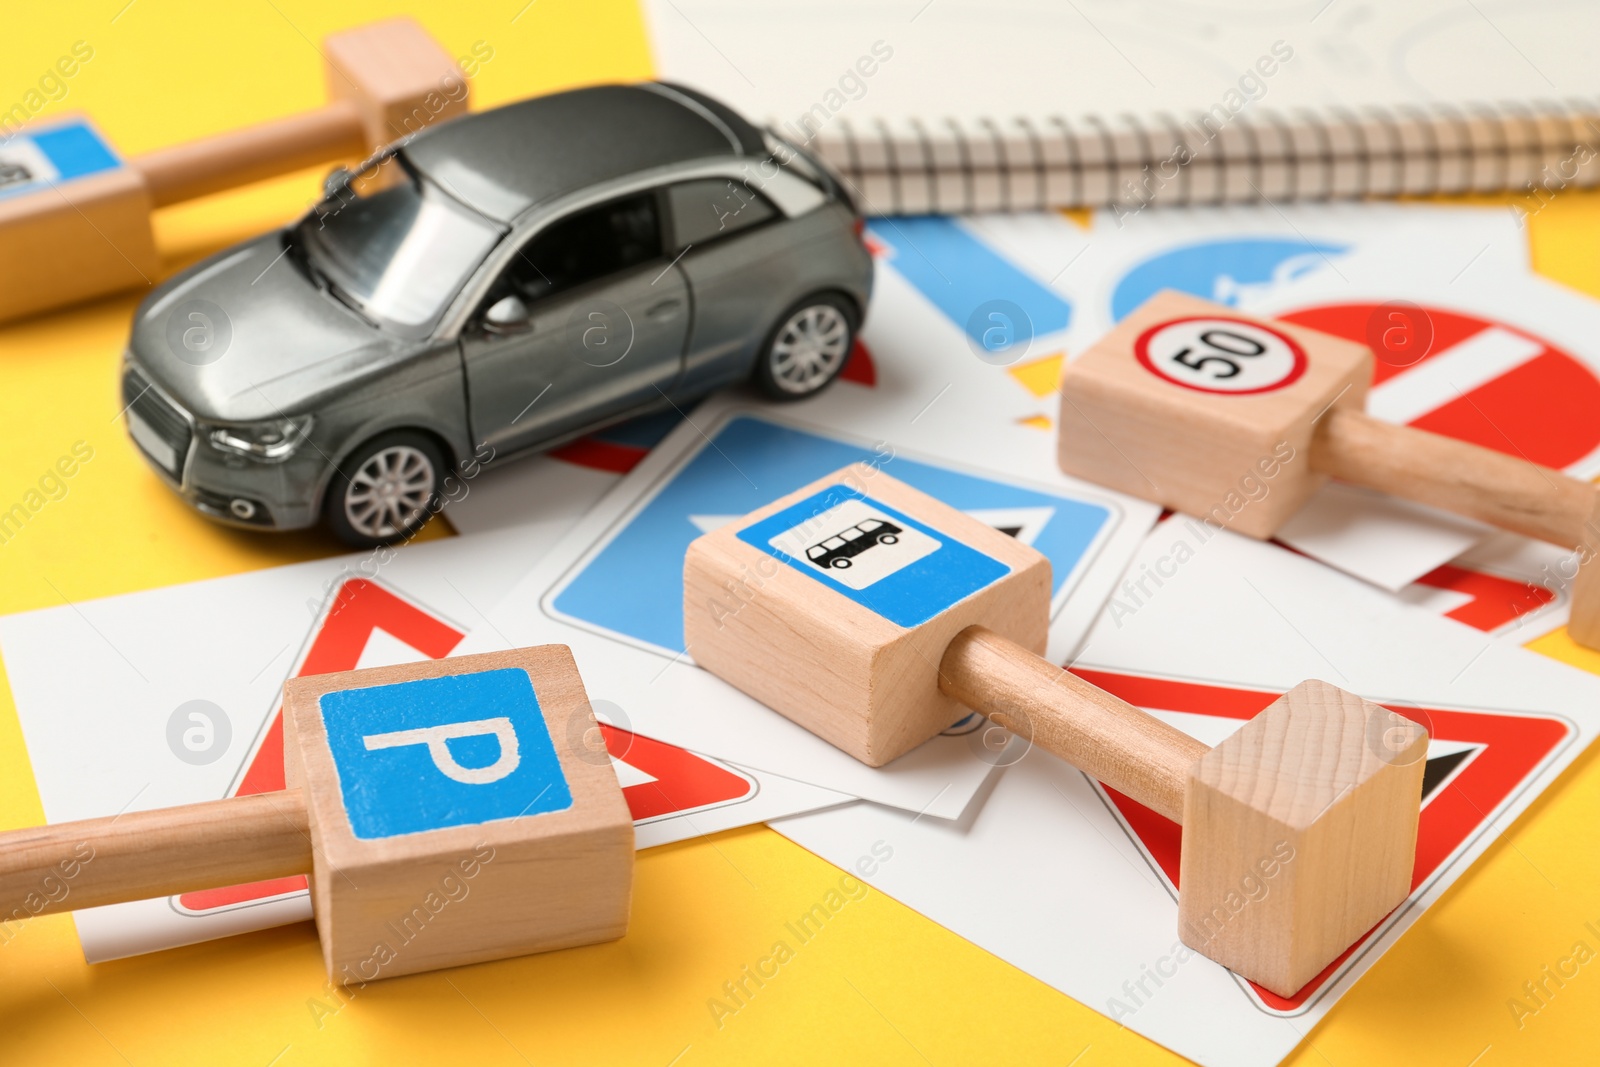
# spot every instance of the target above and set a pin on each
(710, 208)
(585, 246)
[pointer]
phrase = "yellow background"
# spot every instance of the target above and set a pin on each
(881, 984)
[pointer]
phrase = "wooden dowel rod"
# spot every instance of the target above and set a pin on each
(1583, 626)
(266, 150)
(143, 854)
(1124, 747)
(1479, 483)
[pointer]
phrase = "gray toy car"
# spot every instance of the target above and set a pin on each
(509, 281)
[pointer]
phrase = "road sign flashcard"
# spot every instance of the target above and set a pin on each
(627, 581)
(1241, 255)
(1508, 362)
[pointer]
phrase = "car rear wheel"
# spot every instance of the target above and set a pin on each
(807, 349)
(386, 489)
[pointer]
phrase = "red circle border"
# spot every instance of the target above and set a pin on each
(1141, 352)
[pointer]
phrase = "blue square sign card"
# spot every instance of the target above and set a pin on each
(631, 584)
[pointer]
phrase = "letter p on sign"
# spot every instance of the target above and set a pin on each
(437, 739)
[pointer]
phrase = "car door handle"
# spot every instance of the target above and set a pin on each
(665, 309)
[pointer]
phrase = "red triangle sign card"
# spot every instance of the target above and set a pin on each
(356, 611)
(679, 782)
(660, 780)
(1477, 761)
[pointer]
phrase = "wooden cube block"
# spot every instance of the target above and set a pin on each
(1207, 411)
(1299, 834)
(834, 606)
(397, 76)
(455, 816)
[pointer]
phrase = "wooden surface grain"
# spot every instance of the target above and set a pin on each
(225, 160)
(846, 673)
(1237, 460)
(1300, 833)
(470, 892)
(1467, 479)
(139, 855)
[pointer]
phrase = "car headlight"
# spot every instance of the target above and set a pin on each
(269, 442)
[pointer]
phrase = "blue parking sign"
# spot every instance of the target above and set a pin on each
(456, 750)
(631, 586)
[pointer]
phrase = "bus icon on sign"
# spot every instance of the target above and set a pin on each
(838, 552)
(870, 544)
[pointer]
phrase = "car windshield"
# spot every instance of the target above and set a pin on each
(397, 255)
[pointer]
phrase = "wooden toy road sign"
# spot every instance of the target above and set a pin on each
(75, 220)
(874, 615)
(1239, 419)
(448, 812)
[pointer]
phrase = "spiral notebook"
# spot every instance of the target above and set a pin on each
(953, 106)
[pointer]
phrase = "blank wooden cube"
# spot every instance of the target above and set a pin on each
(399, 78)
(1207, 411)
(1299, 834)
(454, 815)
(834, 605)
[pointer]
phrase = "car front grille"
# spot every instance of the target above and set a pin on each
(160, 428)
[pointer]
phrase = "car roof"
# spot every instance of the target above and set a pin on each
(505, 161)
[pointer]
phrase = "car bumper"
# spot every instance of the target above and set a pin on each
(222, 486)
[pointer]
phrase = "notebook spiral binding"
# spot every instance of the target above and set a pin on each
(1126, 162)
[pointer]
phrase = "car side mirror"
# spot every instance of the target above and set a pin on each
(335, 182)
(507, 315)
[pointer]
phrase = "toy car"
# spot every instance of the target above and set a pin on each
(505, 282)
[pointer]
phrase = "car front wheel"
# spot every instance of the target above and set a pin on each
(807, 349)
(386, 489)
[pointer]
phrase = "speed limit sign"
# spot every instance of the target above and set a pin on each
(1218, 355)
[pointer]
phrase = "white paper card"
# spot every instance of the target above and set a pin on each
(1379, 538)
(1089, 906)
(169, 696)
